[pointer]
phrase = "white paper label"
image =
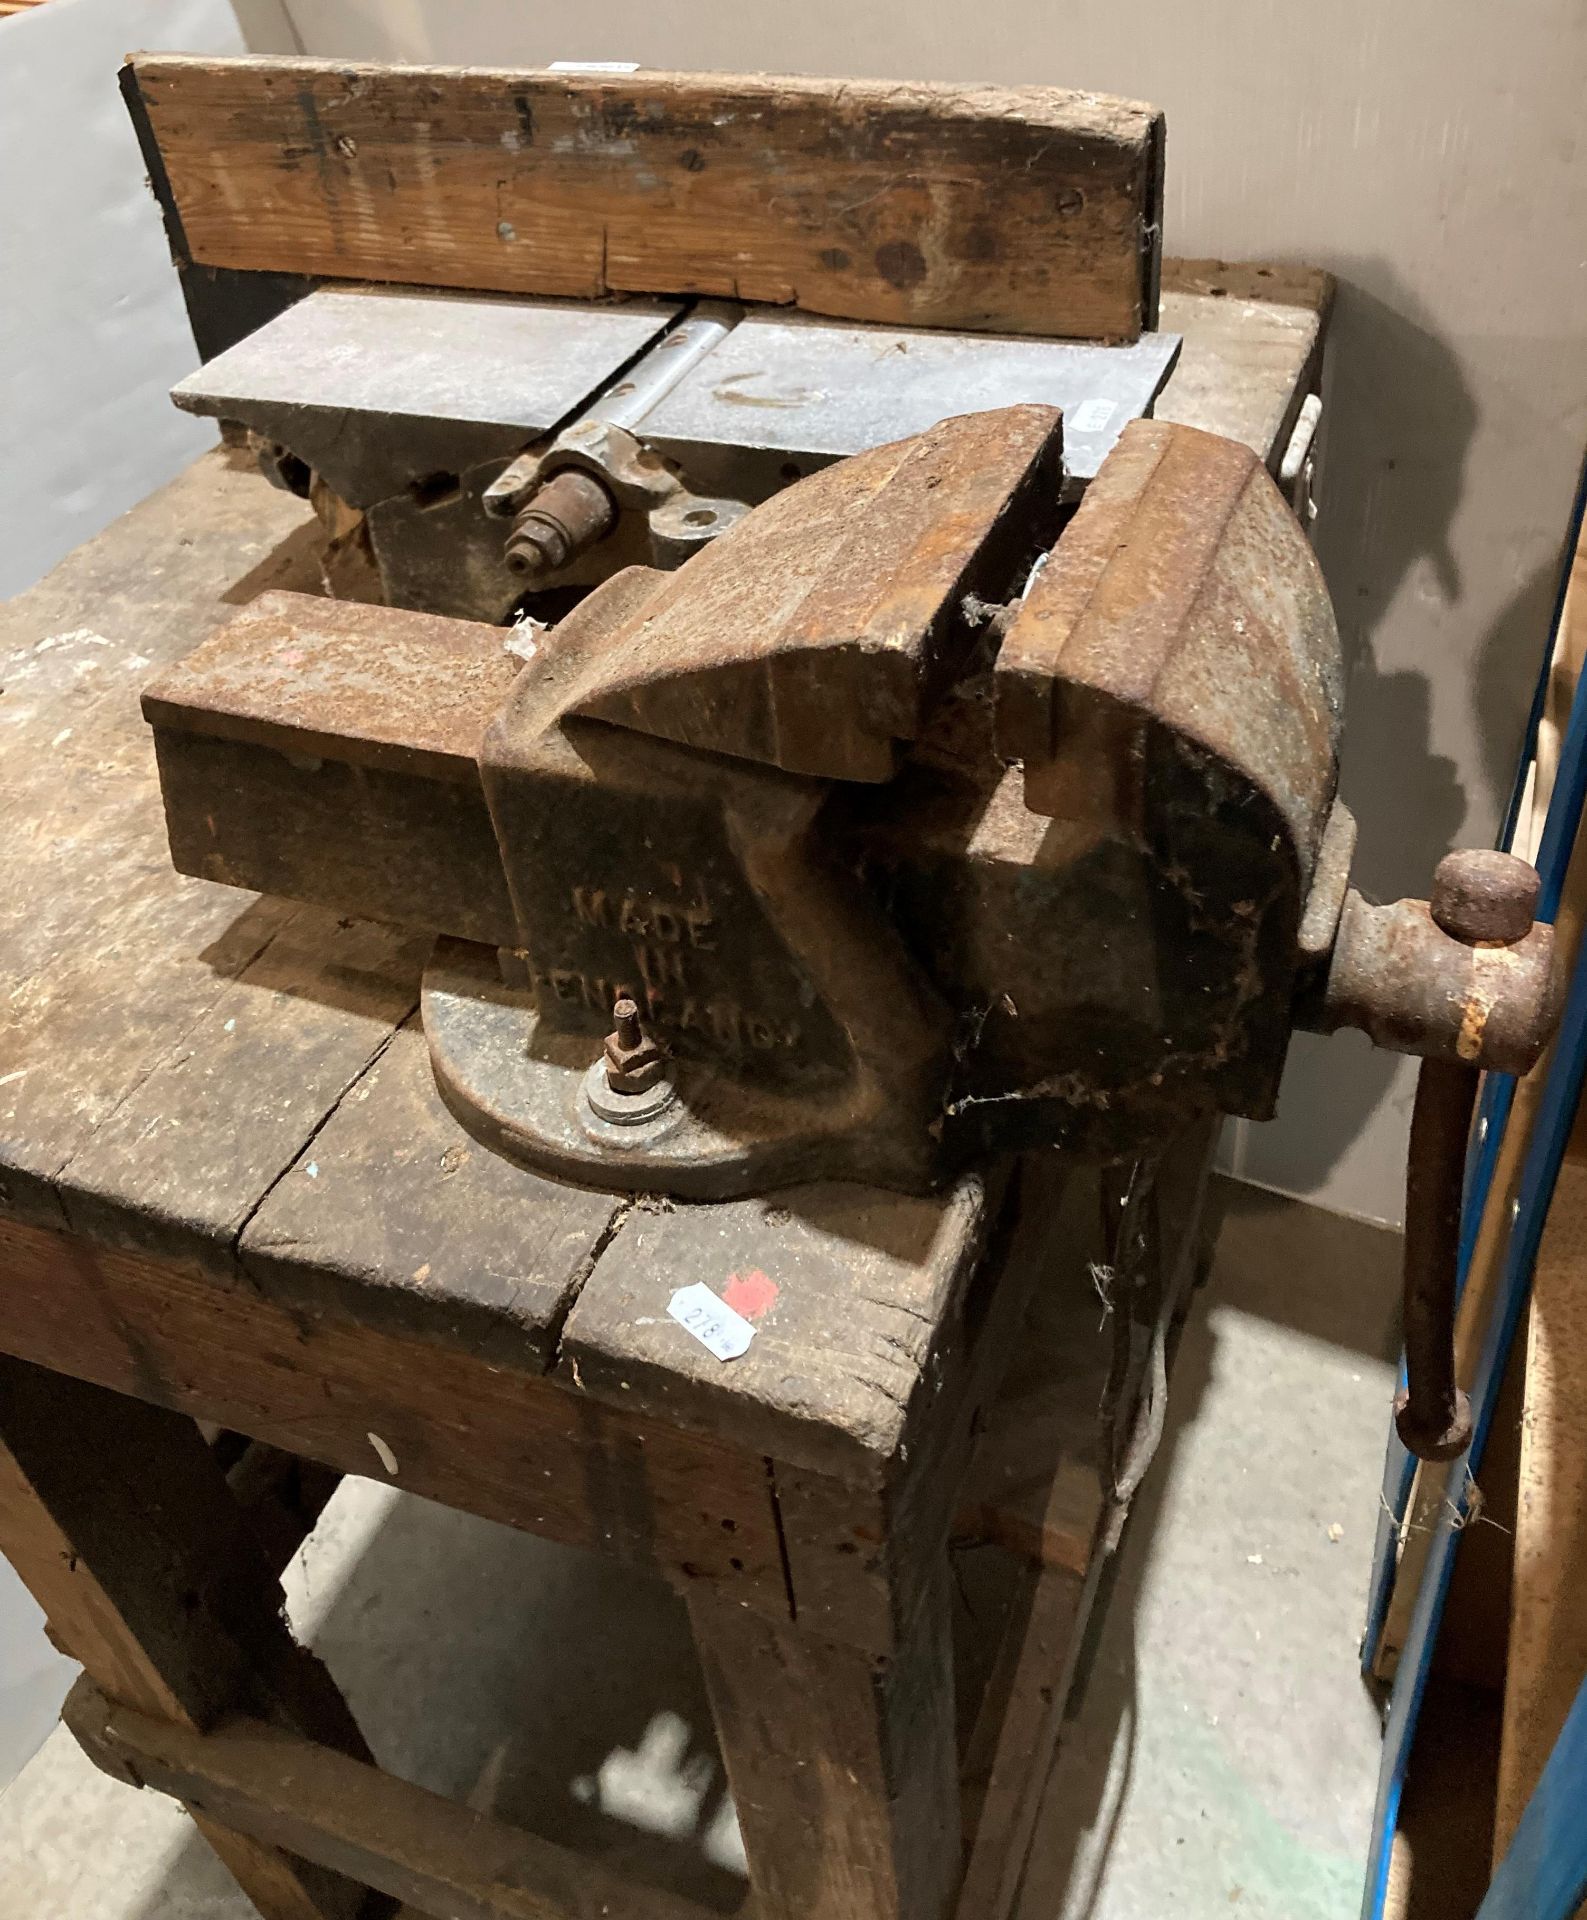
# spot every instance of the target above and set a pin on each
(712, 1321)
(1091, 416)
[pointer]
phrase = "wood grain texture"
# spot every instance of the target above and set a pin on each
(396, 1218)
(887, 1327)
(843, 1765)
(1253, 337)
(107, 957)
(1014, 210)
(295, 1240)
(851, 1290)
(282, 1885)
(154, 1526)
(110, 964)
(1042, 1480)
(169, 1046)
(180, 1163)
(859, 1556)
(1015, 1735)
(497, 1440)
(1548, 1624)
(412, 1844)
(119, 1520)
(1037, 1479)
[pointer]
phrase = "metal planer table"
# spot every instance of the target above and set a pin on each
(231, 1195)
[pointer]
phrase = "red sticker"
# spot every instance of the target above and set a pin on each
(750, 1294)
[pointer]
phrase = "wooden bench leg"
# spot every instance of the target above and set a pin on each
(842, 1763)
(118, 1518)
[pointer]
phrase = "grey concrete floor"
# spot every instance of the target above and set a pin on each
(1220, 1757)
(1222, 1752)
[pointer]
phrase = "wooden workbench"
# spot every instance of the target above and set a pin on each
(230, 1194)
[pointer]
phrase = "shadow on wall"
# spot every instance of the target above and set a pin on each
(1400, 421)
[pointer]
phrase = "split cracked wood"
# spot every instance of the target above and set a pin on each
(993, 209)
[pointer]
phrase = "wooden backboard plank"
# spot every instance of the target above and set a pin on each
(996, 209)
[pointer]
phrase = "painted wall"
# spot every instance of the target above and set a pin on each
(1429, 154)
(92, 329)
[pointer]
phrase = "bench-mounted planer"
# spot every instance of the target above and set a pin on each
(501, 448)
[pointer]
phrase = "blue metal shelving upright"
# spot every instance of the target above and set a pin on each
(1549, 1857)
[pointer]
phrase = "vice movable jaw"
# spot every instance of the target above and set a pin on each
(917, 825)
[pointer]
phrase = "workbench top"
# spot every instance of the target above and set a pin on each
(238, 1087)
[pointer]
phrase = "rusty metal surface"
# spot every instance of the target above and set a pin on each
(1479, 894)
(1330, 882)
(327, 751)
(1184, 608)
(705, 888)
(377, 684)
(924, 949)
(766, 799)
(653, 516)
(815, 635)
(1091, 1006)
(439, 553)
(1466, 979)
(507, 1076)
(1432, 1415)
(1171, 688)
(566, 517)
(1411, 987)
(632, 1059)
